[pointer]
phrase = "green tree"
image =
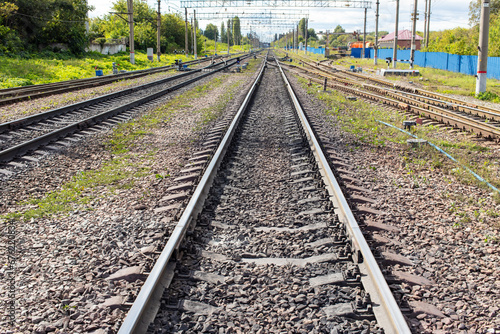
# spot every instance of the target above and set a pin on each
(302, 25)
(211, 31)
(223, 35)
(42, 22)
(229, 32)
(311, 33)
(236, 30)
(475, 10)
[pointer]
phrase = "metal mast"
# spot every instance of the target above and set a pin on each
(130, 9)
(395, 51)
(482, 56)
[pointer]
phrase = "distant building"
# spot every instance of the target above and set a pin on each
(404, 40)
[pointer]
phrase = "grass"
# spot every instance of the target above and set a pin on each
(118, 173)
(360, 120)
(129, 161)
(358, 117)
(40, 69)
(440, 81)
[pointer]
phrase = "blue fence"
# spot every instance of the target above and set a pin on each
(311, 50)
(440, 60)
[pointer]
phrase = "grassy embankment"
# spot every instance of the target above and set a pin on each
(51, 67)
(440, 81)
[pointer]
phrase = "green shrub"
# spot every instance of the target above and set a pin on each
(488, 96)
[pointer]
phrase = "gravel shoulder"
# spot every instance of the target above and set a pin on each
(76, 271)
(450, 230)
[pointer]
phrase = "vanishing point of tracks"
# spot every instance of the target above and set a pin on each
(28, 134)
(480, 120)
(267, 242)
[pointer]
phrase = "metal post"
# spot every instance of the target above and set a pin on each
(428, 25)
(425, 24)
(195, 41)
(297, 50)
(327, 45)
(186, 47)
(130, 9)
(305, 34)
(413, 34)
(228, 27)
(375, 47)
(395, 51)
(324, 85)
(482, 55)
(364, 37)
(192, 36)
(158, 51)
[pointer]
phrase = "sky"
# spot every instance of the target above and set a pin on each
(445, 14)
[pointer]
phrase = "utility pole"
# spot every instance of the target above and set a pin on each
(375, 47)
(428, 25)
(327, 45)
(228, 27)
(364, 36)
(297, 51)
(395, 51)
(482, 55)
(158, 51)
(413, 34)
(195, 41)
(425, 23)
(305, 34)
(192, 36)
(130, 9)
(186, 47)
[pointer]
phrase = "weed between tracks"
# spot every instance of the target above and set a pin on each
(131, 160)
(358, 118)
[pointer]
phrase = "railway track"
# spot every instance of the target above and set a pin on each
(267, 241)
(28, 134)
(17, 94)
(480, 120)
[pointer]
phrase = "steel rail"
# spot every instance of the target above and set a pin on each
(42, 90)
(443, 115)
(18, 150)
(398, 99)
(459, 105)
(7, 126)
(395, 321)
(137, 319)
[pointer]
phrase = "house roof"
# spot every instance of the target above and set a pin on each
(402, 35)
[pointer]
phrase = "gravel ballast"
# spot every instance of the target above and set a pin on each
(77, 272)
(459, 256)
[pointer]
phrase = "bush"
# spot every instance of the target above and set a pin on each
(488, 96)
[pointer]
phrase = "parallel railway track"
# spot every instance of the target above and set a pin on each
(480, 120)
(267, 241)
(25, 135)
(17, 94)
